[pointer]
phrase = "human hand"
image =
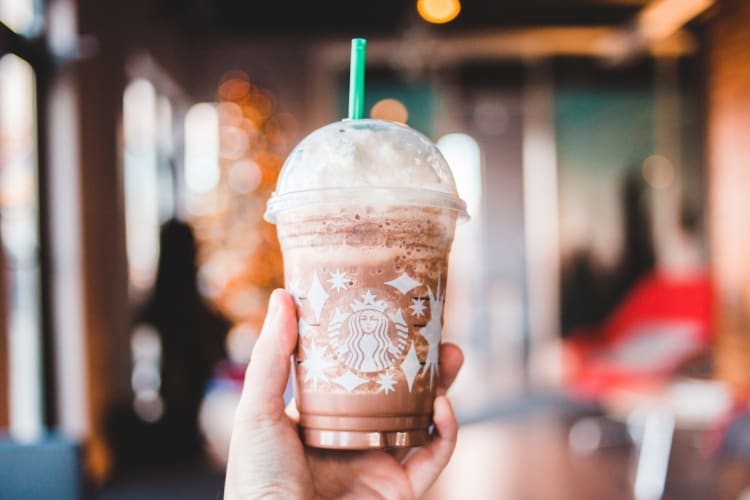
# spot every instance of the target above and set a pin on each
(268, 459)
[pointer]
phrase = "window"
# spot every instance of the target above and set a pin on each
(19, 15)
(465, 288)
(19, 232)
(148, 178)
(463, 155)
(201, 155)
(149, 202)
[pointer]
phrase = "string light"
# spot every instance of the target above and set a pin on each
(239, 260)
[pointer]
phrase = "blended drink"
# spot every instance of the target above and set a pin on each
(365, 213)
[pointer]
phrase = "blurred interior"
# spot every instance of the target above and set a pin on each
(600, 291)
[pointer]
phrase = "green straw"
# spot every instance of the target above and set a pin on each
(357, 79)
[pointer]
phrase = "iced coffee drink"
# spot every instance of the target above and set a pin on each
(365, 213)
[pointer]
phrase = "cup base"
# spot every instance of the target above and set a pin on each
(363, 440)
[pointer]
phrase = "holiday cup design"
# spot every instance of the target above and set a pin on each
(369, 288)
(371, 343)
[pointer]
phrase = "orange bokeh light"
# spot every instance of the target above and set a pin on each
(390, 109)
(438, 11)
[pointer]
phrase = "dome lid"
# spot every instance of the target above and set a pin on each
(365, 161)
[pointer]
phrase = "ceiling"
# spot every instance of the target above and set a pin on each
(319, 18)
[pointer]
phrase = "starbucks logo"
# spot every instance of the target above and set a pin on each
(369, 338)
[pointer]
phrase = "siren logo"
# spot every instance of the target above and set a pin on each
(369, 338)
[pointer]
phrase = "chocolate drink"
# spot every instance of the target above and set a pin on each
(369, 284)
(365, 213)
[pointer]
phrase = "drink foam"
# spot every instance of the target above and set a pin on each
(365, 155)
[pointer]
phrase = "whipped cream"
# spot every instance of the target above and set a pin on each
(365, 153)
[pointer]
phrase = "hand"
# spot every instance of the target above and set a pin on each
(267, 457)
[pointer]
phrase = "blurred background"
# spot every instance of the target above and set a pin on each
(600, 292)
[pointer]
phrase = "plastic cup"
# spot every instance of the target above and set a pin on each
(365, 213)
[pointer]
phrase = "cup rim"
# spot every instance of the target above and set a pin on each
(406, 196)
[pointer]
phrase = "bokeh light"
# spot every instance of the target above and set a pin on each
(658, 172)
(201, 148)
(244, 176)
(233, 142)
(239, 262)
(234, 85)
(390, 109)
(149, 406)
(141, 174)
(240, 342)
(438, 11)
(145, 379)
(230, 114)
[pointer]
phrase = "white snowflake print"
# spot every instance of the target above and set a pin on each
(417, 307)
(432, 331)
(386, 383)
(315, 364)
(350, 381)
(338, 280)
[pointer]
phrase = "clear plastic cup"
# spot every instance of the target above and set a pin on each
(365, 213)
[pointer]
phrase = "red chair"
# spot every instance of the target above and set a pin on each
(662, 323)
(630, 369)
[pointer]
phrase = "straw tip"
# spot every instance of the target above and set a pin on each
(358, 42)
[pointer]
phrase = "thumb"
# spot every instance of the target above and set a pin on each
(267, 374)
